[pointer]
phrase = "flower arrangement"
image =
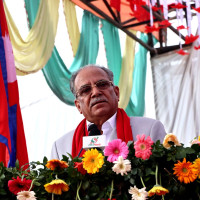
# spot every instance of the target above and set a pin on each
(138, 170)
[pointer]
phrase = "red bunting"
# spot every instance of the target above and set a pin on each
(181, 52)
(190, 39)
(138, 11)
(181, 27)
(164, 24)
(178, 6)
(150, 29)
(197, 47)
(115, 4)
(197, 9)
(156, 8)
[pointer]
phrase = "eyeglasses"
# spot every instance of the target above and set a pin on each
(87, 89)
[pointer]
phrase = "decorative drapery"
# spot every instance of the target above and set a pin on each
(136, 106)
(57, 74)
(72, 24)
(126, 76)
(33, 53)
(177, 93)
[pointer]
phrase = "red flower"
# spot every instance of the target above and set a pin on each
(190, 39)
(181, 52)
(79, 167)
(18, 185)
(178, 6)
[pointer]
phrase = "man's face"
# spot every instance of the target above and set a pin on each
(98, 104)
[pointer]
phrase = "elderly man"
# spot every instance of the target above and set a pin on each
(97, 99)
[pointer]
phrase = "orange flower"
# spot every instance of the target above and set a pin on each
(56, 187)
(170, 138)
(185, 171)
(197, 166)
(55, 163)
(158, 190)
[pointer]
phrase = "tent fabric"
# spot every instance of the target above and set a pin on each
(33, 53)
(177, 93)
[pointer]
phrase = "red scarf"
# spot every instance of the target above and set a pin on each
(124, 132)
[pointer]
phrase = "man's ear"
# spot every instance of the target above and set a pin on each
(77, 104)
(116, 89)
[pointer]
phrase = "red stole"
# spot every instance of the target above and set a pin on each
(124, 132)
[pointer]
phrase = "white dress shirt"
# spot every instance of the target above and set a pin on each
(107, 127)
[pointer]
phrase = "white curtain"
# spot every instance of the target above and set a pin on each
(177, 93)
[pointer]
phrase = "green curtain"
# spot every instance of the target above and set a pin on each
(136, 104)
(113, 49)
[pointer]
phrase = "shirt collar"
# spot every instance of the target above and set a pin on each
(111, 121)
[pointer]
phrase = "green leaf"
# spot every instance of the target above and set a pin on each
(45, 160)
(134, 171)
(132, 181)
(17, 164)
(37, 183)
(2, 176)
(180, 153)
(188, 150)
(85, 185)
(3, 192)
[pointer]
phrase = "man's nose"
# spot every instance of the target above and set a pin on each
(95, 90)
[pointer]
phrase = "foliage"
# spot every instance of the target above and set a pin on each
(106, 183)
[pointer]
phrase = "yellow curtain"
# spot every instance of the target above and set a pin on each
(72, 24)
(126, 77)
(33, 53)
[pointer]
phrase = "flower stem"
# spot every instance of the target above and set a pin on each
(112, 185)
(142, 181)
(31, 185)
(77, 192)
(156, 174)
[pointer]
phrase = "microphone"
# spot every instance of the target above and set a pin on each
(94, 139)
(93, 130)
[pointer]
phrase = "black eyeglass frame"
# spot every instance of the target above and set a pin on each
(91, 87)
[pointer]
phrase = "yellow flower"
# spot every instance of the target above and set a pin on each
(56, 186)
(158, 190)
(185, 171)
(55, 163)
(92, 161)
(170, 138)
(197, 166)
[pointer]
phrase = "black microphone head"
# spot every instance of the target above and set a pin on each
(93, 130)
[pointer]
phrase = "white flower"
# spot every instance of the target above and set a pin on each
(26, 195)
(121, 166)
(138, 194)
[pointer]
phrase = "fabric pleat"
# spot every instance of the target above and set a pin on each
(33, 53)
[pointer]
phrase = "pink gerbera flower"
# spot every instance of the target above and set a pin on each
(143, 147)
(115, 149)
